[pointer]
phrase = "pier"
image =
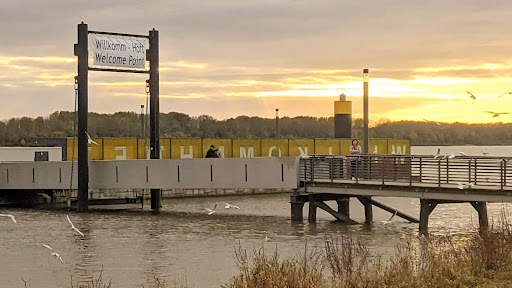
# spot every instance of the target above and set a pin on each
(435, 181)
(316, 180)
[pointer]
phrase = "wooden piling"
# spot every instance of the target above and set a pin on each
(344, 206)
(427, 206)
(481, 208)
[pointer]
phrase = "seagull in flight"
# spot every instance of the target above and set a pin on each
(471, 96)
(439, 124)
(211, 211)
(10, 216)
(389, 221)
(48, 247)
(74, 228)
(438, 154)
(57, 256)
(89, 140)
(461, 186)
(227, 206)
(510, 93)
(496, 114)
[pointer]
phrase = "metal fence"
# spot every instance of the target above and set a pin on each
(463, 171)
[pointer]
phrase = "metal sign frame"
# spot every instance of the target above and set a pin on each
(81, 50)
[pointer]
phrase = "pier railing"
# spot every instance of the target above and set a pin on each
(444, 171)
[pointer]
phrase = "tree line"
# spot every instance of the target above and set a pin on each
(20, 131)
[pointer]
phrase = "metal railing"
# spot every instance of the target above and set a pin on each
(489, 172)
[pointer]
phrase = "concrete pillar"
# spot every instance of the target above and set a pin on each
(297, 210)
(344, 206)
(427, 206)
(481, 208)
(297, 207)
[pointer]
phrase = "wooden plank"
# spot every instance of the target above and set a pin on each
(390, 209)
(320, 204)
(111, 201)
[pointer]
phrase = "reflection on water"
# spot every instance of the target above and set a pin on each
(136, 245)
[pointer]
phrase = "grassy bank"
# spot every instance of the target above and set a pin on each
(484, 260)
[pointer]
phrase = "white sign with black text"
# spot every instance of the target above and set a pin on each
(118, 51)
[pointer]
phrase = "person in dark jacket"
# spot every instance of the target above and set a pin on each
(212, 152)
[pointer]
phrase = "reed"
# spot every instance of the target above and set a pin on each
(484, 259)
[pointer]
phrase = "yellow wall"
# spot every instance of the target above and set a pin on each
(186, 148)
(224, 146)
(95, 151)
(127, 148)
(119, 148)
(246, 147)
(274, 147)
(165, 149)
(301, 147)
(399, 147)
(327, 146)
(378, 145)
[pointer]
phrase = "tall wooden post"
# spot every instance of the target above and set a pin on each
(81, 50)
(154, 108)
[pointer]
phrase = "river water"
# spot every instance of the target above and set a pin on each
(132, 246)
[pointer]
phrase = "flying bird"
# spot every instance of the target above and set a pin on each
(10, 216)
(471, 96)
(211, 211)
(89, 140)
(496, 114)
(439, 124)
(47, 247)
(227, 206)
(463, 154)
(510, 93)
(57, 256)
(74, 228)
(438, 153)
(389, 221)
(461, 186)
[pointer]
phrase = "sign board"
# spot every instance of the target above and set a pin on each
(111, 51)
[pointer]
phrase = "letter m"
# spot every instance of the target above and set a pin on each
(246, 154)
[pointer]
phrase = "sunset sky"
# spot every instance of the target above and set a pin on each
(229, 57)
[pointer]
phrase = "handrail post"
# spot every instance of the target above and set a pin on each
(421, 169)
(331, 168)
(504, 172)
(476, 169)
(383, 170)
(469, 171)
(357, 170)
(447, 170)
(502, 176)
(439, 173)
(312, 169)
(410, 171)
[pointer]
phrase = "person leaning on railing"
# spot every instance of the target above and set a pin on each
(355, 150)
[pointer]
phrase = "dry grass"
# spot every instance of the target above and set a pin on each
(484, 260)
(261, 270)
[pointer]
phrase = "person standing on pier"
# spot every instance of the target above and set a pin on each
(355, 150)
(212, 152)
